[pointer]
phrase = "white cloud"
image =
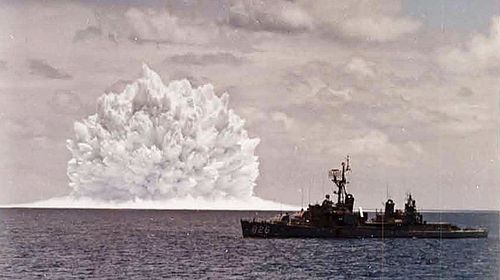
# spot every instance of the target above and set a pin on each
(252, 115)
(363, 20)
(331, 96)
(287, 121)
(206, 59)
(321, 83)
(149, 25)
(479, 53)
(415, 147)
(360, 68)
(467, 118)
(352, 19)
(376, 143)
(379, 28)
(375, 147)
(278, 16)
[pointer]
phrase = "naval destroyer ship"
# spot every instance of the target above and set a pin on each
(339, 220)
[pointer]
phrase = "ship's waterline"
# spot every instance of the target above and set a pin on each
(339, 220)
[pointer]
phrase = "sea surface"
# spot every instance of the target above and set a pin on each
(148, 244)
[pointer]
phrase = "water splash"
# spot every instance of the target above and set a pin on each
(158, 142)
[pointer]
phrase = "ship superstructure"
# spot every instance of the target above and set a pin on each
(339, 219)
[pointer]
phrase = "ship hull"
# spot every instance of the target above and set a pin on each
(277, 230)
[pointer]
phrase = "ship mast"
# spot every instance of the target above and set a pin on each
(340, 182)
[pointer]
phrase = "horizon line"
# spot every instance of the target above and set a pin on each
(221, 209)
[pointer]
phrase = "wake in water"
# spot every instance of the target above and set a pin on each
(162, 146)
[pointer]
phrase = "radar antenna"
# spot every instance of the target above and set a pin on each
(339, 179)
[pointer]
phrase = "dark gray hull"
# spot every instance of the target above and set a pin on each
(278, 230)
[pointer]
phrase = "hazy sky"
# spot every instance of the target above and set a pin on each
(410, 90)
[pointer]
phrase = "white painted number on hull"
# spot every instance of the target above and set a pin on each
(261, 229)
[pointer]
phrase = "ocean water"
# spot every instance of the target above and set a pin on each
(146, 244)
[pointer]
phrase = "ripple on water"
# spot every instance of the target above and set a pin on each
(128, 244)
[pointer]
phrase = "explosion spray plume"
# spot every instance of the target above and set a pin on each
(157, 142)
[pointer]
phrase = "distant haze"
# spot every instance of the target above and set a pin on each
(409, 89)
